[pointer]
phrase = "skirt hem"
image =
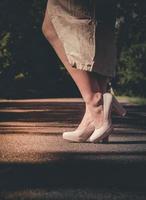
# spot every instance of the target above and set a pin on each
(87, 67)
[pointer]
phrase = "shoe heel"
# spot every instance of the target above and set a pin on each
(105, 140)
(118, 107)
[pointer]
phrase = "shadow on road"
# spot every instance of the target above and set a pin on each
(80, 171)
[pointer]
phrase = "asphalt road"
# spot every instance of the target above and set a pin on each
(36, 163)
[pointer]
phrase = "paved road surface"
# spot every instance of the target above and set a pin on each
(35, 162)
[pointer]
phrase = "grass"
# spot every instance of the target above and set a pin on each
(133, 100)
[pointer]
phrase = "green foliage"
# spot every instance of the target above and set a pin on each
(132, 70)
(5, 54)
(20, 76)
(25, 53)
(131, 37)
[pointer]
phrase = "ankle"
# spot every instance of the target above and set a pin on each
(95, 113)
(94, 100)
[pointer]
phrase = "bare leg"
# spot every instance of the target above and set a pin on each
(87, 82)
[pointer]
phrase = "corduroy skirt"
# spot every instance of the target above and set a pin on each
(86, 29)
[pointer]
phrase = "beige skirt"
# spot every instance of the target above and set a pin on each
(86, 30)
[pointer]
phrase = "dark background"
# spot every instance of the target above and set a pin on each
(29, 67)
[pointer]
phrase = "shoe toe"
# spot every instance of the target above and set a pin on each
(69, 136)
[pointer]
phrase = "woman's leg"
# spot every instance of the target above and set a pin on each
(87, 82)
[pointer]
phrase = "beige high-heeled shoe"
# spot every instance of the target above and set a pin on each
(79, 135)
(118, 108)
(106, 129)
(82, 135)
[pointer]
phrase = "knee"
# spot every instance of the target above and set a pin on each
(48, 32)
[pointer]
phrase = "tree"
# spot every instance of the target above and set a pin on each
(25, 54)
(131, 73)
